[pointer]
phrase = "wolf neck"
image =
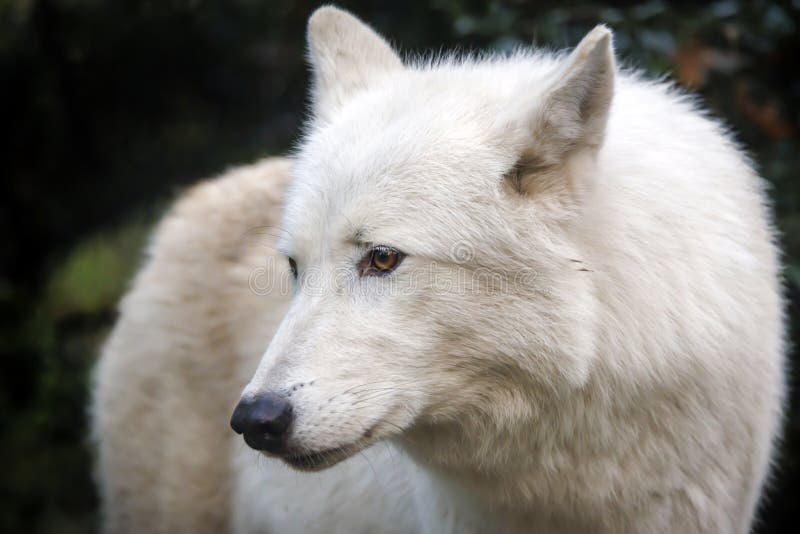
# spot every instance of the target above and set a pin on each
(464, 486)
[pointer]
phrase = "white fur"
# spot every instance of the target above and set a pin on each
(586, 333)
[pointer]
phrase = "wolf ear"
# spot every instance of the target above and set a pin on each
(569, 118)
(346, 56)
(575, 109)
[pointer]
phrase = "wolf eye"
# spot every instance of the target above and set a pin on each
(384, 258)
(380, 260)
(293, 267)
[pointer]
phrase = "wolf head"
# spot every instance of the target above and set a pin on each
(433, 231)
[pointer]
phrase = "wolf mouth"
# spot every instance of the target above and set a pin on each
(316, 461)
(319, 460)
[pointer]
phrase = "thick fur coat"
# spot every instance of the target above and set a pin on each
(584, 331)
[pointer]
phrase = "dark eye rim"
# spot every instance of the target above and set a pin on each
(366, 266)
(292, 266)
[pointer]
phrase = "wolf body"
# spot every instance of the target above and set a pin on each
(581, 328)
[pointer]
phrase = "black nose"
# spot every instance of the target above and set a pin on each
(264, 421)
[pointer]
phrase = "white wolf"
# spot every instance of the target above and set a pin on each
(546, 289)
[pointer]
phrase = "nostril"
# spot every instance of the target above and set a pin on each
(263, 419)
(239, 417)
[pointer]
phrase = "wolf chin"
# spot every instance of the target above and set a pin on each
(529, 293)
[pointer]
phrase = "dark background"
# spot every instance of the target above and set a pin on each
(109, 108)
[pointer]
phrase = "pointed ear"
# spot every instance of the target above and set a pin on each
(346, 56)
(566, 127)
(574, 111)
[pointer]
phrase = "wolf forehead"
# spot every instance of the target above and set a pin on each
(434, 110)
(446, 130)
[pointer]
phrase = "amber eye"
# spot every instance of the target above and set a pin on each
(380, 260)
(293, 267)
(384, 258)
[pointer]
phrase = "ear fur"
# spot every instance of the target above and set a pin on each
(571, 116)
(346, 56)
(575, 111)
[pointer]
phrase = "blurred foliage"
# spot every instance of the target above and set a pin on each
(110, 107)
